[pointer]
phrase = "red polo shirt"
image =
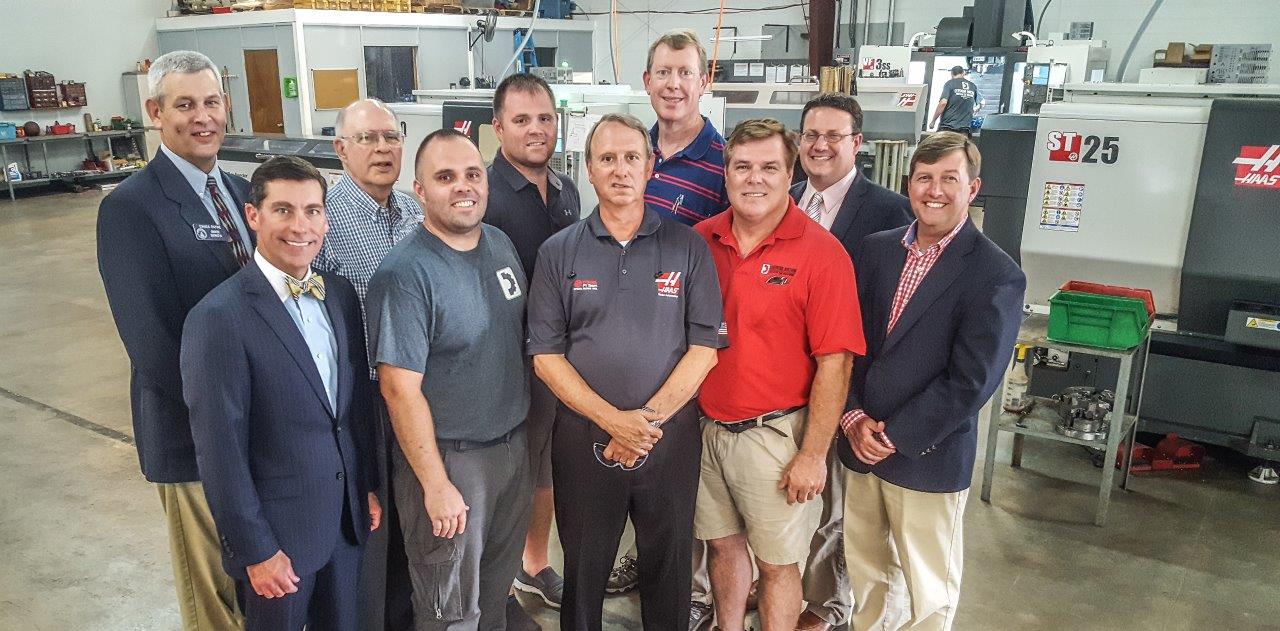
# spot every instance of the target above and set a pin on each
(791, 299)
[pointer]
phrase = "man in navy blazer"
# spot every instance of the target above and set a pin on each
(941, 309)
(851, 207)
(166, 236)
(276, 377)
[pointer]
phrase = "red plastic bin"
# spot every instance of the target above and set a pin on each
(1113, 290)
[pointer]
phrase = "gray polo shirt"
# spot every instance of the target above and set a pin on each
(624, 315)
(456, 317)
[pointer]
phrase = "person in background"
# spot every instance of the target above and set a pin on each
(960, 101)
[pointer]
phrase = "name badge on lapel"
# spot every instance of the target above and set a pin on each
(209, 232)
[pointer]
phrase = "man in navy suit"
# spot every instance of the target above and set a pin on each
(166, 236)
(941, 309)
(277, 381)
(851, 207)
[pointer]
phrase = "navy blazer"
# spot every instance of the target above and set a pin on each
(948, 351)
(867, 208)
(279, 467)
(155, 270)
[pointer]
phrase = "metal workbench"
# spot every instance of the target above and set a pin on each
(43, 141)
(1040, 420)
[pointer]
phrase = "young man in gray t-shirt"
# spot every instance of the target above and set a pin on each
(445, 320)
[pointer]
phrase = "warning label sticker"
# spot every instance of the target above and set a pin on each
(1063, 203)
(1262, 323)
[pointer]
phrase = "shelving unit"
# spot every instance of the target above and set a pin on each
(1040, 420)
(25, 144)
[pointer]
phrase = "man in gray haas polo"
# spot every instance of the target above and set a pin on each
(624, 323)
(446, 311)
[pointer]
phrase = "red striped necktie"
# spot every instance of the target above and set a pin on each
(224, 217)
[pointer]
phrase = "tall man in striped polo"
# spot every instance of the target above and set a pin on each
(688, 173)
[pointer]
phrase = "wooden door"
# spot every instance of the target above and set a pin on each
(262, 72)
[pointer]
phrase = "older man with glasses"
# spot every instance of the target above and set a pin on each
(367, 216)
(624, 323)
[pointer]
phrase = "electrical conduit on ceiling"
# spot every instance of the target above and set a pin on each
(524, 42)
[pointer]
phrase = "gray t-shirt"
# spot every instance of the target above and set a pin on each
(961, 95)
(456, 317)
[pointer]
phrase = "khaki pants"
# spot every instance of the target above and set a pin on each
(895, 538)
(206, 595)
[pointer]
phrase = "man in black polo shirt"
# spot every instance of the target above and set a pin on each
(624, 322)
(530, 202)
(960, 101)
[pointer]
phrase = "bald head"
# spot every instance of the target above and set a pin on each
(351, 115)
(370, 147)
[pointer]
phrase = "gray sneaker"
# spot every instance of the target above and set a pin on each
(547, 585)
(624, 577)
(700, 614)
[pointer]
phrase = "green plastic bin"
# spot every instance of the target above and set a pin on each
(1096, 320)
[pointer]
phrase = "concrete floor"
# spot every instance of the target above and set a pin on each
(82, 544)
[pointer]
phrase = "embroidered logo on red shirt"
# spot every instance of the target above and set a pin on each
(777, 269)
(668, 284)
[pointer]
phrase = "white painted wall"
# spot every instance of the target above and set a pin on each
(78, 40)
(637, 30)
(1194, 21)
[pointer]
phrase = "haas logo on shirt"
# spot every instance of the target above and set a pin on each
(668, 284)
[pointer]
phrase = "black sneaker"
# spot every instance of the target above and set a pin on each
(700, 614)
(548, 585)
(517, 619)
(624, 577)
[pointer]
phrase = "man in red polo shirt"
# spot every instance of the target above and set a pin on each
(773, 401)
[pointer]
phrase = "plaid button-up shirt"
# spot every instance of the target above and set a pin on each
(916, 267)
(361, 232)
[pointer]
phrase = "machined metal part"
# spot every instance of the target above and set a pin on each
(1084, 412)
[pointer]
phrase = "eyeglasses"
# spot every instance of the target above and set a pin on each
(832, 138)
(599, 450)
(393, 138)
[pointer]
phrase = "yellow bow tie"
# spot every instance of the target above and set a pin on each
(313, 285)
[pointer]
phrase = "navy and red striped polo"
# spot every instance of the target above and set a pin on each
(689, 186)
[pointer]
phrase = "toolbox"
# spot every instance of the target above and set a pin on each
(13, 93)
(72, 94)
(60, 129)
(42, 89)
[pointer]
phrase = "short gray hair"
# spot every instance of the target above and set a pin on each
(377, 103)
(622, 119)
(178, 61)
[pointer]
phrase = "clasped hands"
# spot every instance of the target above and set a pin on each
(633, 433)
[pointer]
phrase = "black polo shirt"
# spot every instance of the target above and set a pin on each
(516, 208)
(624, 315)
